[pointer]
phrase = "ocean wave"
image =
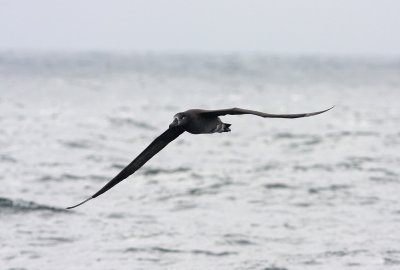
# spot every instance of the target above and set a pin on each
(180, 251)
(81, 144)
(120, 121)
(64, 176)
(384, 179)
(354, 163)
(298, 140)
(72, 177)
(343, 134)
(314, 167)
(288, 135)
(155, 171)
(22, 206)
(390, 261)
(269, 167)
(7, 158)
(237, 240)
(328, 188)
(384, 171)
(343, 253)
(277, 186)
(211, 189)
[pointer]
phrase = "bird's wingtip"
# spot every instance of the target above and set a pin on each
(76, 205)
(316, 113)
(329, 108)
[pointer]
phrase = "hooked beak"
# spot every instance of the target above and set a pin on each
(174, 123)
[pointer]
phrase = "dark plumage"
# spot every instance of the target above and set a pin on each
(194, 121)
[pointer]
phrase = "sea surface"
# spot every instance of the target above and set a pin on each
(314, 193)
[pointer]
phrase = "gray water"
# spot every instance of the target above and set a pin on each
(312, 193)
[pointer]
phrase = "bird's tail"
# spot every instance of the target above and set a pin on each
(225, 127)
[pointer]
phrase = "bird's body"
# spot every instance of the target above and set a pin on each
(200, 123)
(194, 121)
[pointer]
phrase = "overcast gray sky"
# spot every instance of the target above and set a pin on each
(271, 26)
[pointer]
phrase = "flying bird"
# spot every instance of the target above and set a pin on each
(195, 121)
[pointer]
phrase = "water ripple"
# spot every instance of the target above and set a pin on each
(180, 251)
(237, 240)
(7, 158)
(119, 121)
(277, 186)
(81, 144)
(343, 134)
(155, 171)
(22, 206)
(65, 176)
(328, 188)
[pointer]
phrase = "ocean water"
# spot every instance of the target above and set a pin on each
(313, 193)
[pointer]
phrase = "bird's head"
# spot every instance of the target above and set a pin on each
(180, 119)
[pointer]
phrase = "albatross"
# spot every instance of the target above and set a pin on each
(194, 121)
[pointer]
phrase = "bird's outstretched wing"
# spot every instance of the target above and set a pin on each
(237, 111)
(156, 146)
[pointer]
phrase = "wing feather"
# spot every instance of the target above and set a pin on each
(238, 111)
(156, 146)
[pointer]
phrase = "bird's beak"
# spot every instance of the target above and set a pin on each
(174, 123)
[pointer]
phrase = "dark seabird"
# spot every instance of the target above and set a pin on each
(194, 121)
